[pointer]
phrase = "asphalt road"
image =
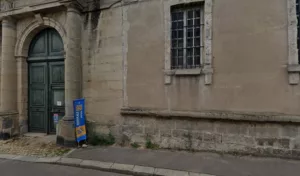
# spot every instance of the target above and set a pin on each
(17, 168)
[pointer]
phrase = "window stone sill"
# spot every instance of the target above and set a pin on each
(184, 72)
(194, 71)
(207, 71)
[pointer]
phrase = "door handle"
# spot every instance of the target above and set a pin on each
(53, 111)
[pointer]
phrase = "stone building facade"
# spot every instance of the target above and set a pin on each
(234, 89)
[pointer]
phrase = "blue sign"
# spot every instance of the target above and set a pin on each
(79, 118)
(55, 118)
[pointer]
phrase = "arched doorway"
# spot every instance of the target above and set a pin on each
(46, 80)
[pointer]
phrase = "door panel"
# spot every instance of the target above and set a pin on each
(57, 91)
(37, 120)
(55, 44)
(39, 49)
(46, 80)
(57, 73)
(38, 96)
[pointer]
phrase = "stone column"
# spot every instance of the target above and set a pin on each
(8, 88)
(66, 131)
(8, 85)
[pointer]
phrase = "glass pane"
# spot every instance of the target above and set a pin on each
(174, 34)
(180, 16)
(197, 22)
(180, 25)
(174, 16)
(189, 42)
(190, 23)
(180, 61)
(190, 32)
(197, 51)
(180, 53)
(58, 98)
(174, 53)
(189, 52)
(197, 61)
(189, 62)
(190, 14)
(174, 43)
(197, 13)
(180, 43)
(174, 62)
(174, 25)
(197, 41)
(180, 34)
(197, 32)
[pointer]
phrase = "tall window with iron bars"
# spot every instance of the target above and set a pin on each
(186, 38)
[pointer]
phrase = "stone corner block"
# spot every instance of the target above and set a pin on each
(122, 168)
(143, 171)
(169, 172)
(7, 156)
(26, 158)
(48, 160)
(70, 161)
(96, 165)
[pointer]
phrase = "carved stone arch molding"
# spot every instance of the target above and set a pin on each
(32, 29)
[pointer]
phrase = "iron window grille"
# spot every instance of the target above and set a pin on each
(186, 38)
(298, 27)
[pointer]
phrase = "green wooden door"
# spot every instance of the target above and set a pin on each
(46, 81)
(38, 96)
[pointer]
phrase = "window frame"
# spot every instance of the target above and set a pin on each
(206, 59)
(293, 66)
(185, 10)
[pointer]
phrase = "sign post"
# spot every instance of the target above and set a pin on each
(79, 118)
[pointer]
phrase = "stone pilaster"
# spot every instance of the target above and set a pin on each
(66, 132)
(22, 93)
(73, 60)
(8, 86)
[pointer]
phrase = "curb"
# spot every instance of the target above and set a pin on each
(135, 170)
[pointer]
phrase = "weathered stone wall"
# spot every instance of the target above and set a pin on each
(123, 47)
(123, 66)
(250, 57)
(263, 139)
(102, 62)
(9, 125)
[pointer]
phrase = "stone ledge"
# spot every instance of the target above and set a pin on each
(214, 115)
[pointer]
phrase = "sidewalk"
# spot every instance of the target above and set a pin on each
(207, 163)
(166, 163)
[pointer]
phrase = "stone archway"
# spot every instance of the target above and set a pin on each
(21, 55)
(71, 37)
(32, 29)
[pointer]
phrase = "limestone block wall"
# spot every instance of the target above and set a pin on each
(123, 66)
(250, 58)
(8, 125)
(102, 62)
(262, 139)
